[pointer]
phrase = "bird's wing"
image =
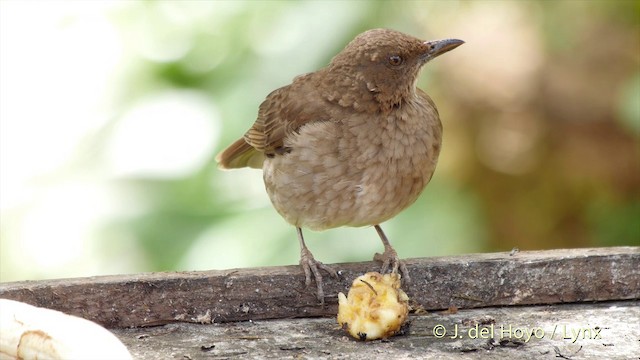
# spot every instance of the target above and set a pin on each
(281, 114)
(268, 132)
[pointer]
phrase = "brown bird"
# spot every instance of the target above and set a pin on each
(351, 144)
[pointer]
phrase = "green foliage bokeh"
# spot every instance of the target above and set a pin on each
(540, 111)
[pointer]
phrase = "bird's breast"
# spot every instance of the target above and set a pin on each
(359, 171)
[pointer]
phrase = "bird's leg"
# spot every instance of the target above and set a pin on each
(390, 258)
(311, 265)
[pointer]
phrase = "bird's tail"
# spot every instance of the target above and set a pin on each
(238, 155)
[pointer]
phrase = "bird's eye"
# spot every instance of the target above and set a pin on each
(396, 60)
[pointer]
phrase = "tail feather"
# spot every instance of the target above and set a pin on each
(238, 155)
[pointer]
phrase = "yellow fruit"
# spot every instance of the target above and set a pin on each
(375, 307)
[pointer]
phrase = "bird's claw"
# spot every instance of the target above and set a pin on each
(311, 266)
(390, 259)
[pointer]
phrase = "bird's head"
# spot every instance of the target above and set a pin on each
(386, 63)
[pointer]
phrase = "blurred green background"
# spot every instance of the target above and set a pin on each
(111, 113)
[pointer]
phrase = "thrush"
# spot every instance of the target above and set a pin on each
(352, 144)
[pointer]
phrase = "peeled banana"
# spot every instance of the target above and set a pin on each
(28, 332)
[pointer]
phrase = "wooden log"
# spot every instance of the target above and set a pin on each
(470, 281)
(606, 330)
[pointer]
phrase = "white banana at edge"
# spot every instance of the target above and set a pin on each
(29, 332)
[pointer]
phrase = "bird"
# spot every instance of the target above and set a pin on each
(351, 144)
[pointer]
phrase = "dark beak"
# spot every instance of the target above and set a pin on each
(439, 47)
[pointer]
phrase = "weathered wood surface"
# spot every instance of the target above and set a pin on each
(481, 280)
(607, 330)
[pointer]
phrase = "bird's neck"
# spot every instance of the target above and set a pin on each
(350, 89)
(390, 100)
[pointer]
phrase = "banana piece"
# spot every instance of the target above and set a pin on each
(29, 332)
(375, 308)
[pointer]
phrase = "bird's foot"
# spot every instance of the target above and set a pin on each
(312, 266)
(390, 260)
